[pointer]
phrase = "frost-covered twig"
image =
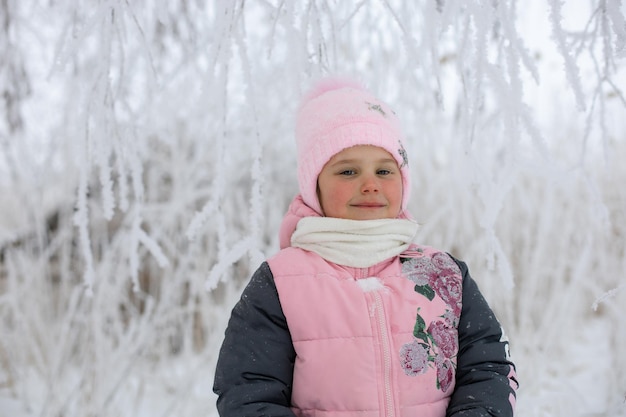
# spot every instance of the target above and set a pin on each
(218, 272)
(571, 68)
(607, 296)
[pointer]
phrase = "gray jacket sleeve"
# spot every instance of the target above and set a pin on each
(486, 382)
(254, 370)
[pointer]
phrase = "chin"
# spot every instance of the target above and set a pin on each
(371, 217)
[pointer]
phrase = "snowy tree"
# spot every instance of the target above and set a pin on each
(147, 158)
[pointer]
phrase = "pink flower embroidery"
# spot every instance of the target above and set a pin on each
(445, 374)
(449, 288)
(445, 337)
(419, 270)
(444, 262)
(439, 275)
(414, 358)
(437, 344)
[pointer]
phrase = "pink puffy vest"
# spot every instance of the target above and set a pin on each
(372, 342)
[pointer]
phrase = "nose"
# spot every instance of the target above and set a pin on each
(370, 185)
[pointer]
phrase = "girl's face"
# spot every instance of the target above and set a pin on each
(361, 183)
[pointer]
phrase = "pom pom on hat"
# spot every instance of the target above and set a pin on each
(329, 84)
(338, 113)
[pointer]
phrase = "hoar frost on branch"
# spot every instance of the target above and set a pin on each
(147, 153)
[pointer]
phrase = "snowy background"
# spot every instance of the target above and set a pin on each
(147, 158)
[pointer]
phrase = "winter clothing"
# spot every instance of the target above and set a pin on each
(352, 329)
(411, 335)
(255, 370)
(298, 210)
(338, 114)
(356, 243)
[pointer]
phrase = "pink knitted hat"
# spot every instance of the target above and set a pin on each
(338, 114)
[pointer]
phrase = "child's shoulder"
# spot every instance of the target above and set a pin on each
(417, 251)
(293, 260)
(288, 253)
(417, 254)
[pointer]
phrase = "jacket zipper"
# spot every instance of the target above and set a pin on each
(384, 336)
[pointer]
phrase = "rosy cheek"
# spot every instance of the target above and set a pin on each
(340, 193)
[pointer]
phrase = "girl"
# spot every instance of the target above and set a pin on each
(351, 318)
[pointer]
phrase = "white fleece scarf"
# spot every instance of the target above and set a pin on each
(354, 243)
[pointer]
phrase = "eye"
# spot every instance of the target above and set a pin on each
(383, 172)
(347, 172)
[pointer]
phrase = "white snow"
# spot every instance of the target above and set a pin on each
(155, 159)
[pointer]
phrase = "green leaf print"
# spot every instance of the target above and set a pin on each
(426, 291)
(419, 331)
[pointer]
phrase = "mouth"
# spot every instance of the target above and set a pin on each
(369, 205)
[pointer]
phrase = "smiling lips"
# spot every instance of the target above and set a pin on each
(369, 205)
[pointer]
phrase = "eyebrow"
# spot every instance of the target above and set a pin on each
(356, 160)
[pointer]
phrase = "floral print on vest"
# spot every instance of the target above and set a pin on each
(435, 345)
